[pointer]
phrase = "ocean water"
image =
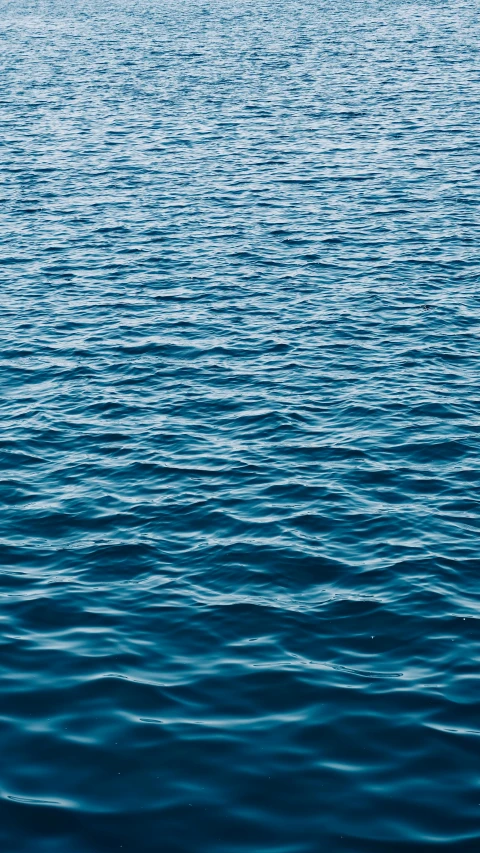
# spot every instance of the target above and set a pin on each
(240, 598)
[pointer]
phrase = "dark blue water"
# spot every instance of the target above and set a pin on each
(240, 597)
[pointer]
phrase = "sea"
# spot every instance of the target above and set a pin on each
(239, 432)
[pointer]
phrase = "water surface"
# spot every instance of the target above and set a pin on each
(239, 439)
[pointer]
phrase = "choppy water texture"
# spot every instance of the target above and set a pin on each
(239, 435)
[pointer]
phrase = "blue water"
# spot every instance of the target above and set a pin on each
(240, 598)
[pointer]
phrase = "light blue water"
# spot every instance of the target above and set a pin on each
(239, 589)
